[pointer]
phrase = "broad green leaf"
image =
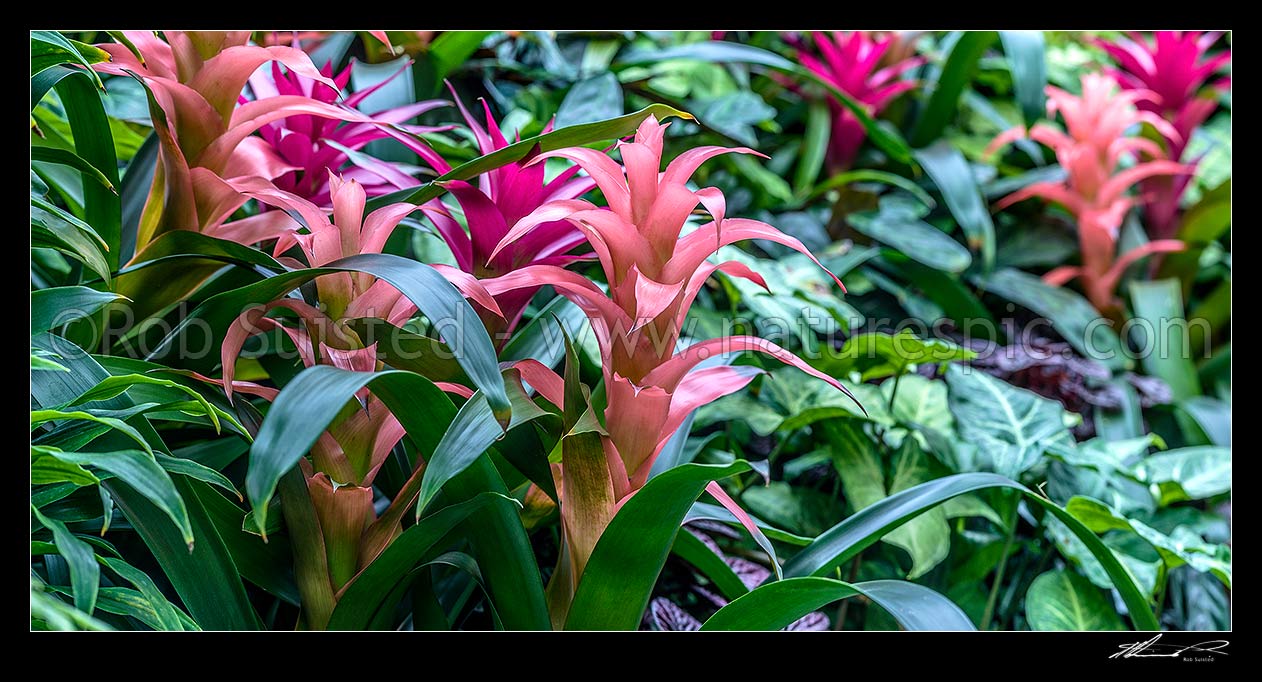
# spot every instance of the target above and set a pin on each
(572, 136)
(850, 537)
(1064, 600)
(53, 308)
(1011, 426)
(618, 581)
(735, 114)
(1212, 415)
(85, 574)
(593, 99)
(436, 298)
(1071, 315)
(877, 355)
(448, 51)
(709, 564)
(927, 538)
(775, 605)
(1180, 547)
(266, 564)
(1188, 473)
(954, 76)
(947, 168)
(1024, 51)
(914, 238)
(1160, 330)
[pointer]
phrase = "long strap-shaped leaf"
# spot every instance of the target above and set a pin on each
(619, 578)
(776, 605)
(424, 286)
(309, 403)
(205, 578)
(845, 540)
(571, 136)
(363, 597)
(94, 143)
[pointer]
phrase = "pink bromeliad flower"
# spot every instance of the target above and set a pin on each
(654, 275)
(501, 198)
(851, 61)
(313, 146)
(205, 139)
(1090, 149)
(1175, 68)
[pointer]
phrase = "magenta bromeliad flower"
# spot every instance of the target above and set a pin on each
(500, 198)
(313, 146)
(1176, 69)
(851, 61)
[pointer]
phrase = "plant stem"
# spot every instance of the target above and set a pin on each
(845, 603)
(1158, 607)
(989, 611)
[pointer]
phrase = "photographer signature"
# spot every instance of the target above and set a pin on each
(1151, 649)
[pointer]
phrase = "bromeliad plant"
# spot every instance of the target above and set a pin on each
(654, 274)
(1172, 72)
(852, 61)
(1091, 149)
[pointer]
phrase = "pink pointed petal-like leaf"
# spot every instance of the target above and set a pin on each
(252, 322)
(1060, 276)
(731, 268)
(681, 169)
(1119, 266)
(257, 228)
(214, 198)
(670, 373)
(635, 419)
(486, 223)
(454, 389)
(249, 117)
(1004, 139)
(470, 286)
(641, 169)
(697, 246)
(652, 298)
(223, 76)
(379, 224)
(665, 218)
(543, 379)
(1119, 183)
(1047, 190)
(254, 156)
(607, 174)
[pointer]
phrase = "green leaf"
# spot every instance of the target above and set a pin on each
(814, 147)
(366, 594)
(94, 143)
(49, 48)
(878, 354)
(775, 605)
(956, 73)
(735, 114)
(953, 176)
(54, 228)
(869, 175)
(709, 564)
(1071, 315)
(927, 538)
(850, 537)
(713, 512)
(618, 581)
(85, 574)
(593, 99)
(42, 416)
(206, 579)
(573, 136)
(266, 564)
(1025, 53)
(46, 468)
(1192, 473)
(1161, 331)
(436, 298)
(448, 51)
(1011, 426)
(140, 471)
(187, 467)
(53, 308)
(308, 405)
(1213, 416)
(66, 157)
(166, 615)
(1064, 600)
(913, 237)
(1182, 546)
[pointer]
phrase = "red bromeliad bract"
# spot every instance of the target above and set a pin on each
(1176, 70)
(1090, 150)
(654, 275)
